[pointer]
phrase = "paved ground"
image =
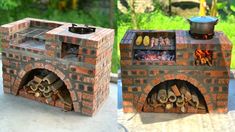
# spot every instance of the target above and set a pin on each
(18, 114)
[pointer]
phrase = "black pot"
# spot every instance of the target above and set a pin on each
(202, 25)
(81, 30)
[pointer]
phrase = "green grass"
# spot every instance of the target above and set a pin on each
(158, 21)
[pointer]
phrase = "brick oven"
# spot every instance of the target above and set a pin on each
(56, 63)
(170, 71)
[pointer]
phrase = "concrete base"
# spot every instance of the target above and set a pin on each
(18, 114)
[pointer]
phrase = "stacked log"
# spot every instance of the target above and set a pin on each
(49, 87)
(203, 57)
(175, 96)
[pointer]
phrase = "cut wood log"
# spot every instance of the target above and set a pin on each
(38, 79)
(47, 95)
(38, 94)
(183, 109)
(153, 101)
(48, 100)
(55, 86)
(68, 107)
(50, 78)
(195, 99)
(32, 85)
(154, 98)
(47, 89)
(41, 87)
(202, 107)
(175, 89)
(162, 96)
(171, 96)
(184, 90)
(208, 61)
(169, 106)
(180, 101)
(30, 92)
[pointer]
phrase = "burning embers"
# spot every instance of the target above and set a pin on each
(203, 57)
(175, 96)
(154, 55)
(46, 85)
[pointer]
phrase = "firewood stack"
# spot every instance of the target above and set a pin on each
(175, 96)
(49, 87)
(203, 57)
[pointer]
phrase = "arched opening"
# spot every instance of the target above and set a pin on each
(45, 86)
(176, 96)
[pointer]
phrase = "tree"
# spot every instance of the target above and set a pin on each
(214, 8)
(202, 11)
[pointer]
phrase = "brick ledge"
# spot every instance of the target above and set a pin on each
(114, 76)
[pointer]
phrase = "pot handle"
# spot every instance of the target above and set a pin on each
(217, 20)
(188, 20)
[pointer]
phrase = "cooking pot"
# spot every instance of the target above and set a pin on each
(81, 30)
(202, 24)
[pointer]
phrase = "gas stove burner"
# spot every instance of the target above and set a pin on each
(81, 30)
(201, 36)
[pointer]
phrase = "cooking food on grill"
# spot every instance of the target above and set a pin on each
(139, 40)
(152, 42)
(146, 41)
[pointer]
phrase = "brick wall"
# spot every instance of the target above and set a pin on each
(87, 79)
(139, 77)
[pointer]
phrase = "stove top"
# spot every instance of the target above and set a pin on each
(201, 36)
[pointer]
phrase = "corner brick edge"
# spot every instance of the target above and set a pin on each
(232, 74)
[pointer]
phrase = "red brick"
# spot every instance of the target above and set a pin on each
(128, 109)
(68, 83)
(22, 73)
(79, 96)
(28, 67)
(222, 110)
(6, 77)
(127, 103)
(222, 103)
(73, 95)
(87, 104)
(87, 111)
(77, 107)
(49, 67)
(7, 90)
(6, 62)
(87, 96)
(39, 65)
(221, 96)
(142, 98)
(128, 96)
(60, 74)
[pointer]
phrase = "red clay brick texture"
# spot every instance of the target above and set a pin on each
(87, 78)
(139, 77)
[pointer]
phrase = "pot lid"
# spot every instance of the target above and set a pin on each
(203, 19)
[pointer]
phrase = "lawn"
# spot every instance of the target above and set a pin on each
(158, 21)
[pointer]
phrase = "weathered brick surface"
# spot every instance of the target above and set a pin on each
(86, 79)
(139, 77)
